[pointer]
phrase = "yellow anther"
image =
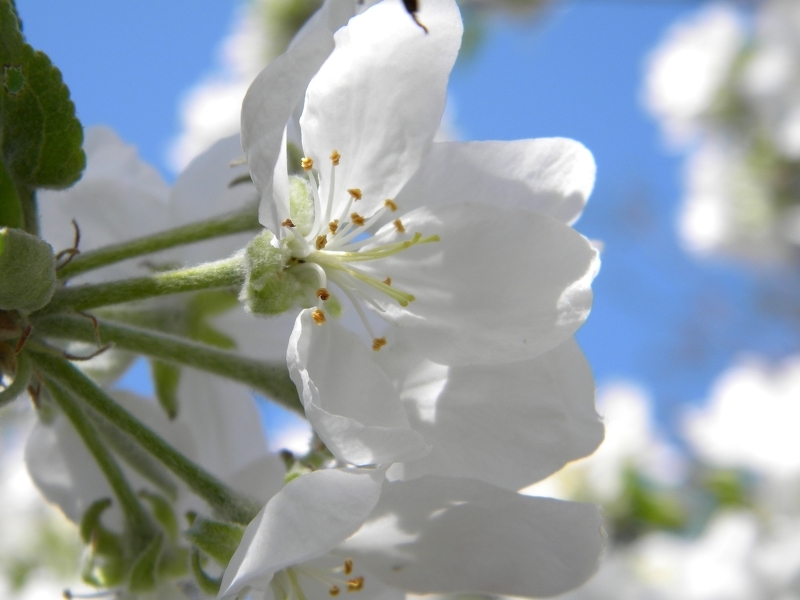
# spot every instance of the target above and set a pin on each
(334, 591)
(356, 584)
(388, 281)
(318, 316)
(390, 204)
(322, 241)
(378, 343)
(398, 224)
(323, 294)
(333, 226)
(335, 156)
(288, 223)
(357, 219)
(306, 163)
(355, 193)
(348, 566)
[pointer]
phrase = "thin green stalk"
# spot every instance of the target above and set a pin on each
(219, 274)
(30, 212)
(137, 520)
(225, 502)
(270, 379)
(238, 222)
(20, 383)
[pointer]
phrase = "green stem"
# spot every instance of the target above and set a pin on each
(21, 379)
(270, 379)
(30, 211)
(195, 232)
(137, 520)
(219, 274)
(225, 502)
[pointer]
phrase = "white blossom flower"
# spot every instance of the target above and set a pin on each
(687, 71)
(485, 270)
(336, 530)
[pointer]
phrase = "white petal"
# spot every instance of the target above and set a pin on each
(379, 98)
(67, 474)
(502, 285)
(305, 520)
(224, 422)
(551, 175)
(119, 197)
(203, 191)
(278, 89)
(349, 401)
(510, 424)
(443, 535)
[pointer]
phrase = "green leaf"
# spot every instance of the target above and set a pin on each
(166, 377)
(40, 136)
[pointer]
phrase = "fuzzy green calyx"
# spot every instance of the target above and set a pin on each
(269, 288)
(27, 271)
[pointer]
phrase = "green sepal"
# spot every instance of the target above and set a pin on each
(216, 539)
(201, 307)
(104, 563)
(143, 577)
(27, 271)
(166, 378)
(269, 288)
(207, 584)
(40, 136)
(10, 205)
(161, 509)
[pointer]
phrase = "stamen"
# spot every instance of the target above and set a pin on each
(378, 343)
(334, 591)
(287, 223)
(318, 316)
(322, 241)
(398, 224)
(348, 566)
(307, 163)
(355, 193)
(388, 281)
(356, 584)
(323, 294)
(335, 156)
(333, 226)
(357, 219)
(390, 204)
(343, 285)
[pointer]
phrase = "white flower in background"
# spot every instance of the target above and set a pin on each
(38, 550)
(663, 566)
(729, 80)
(750, 420)
(771, 77)
(451, 272)
(686, 73)
(338, 530)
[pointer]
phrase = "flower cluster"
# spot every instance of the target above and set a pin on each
(424, 295)
(729, 89)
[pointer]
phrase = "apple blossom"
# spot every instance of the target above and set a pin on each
(336, 530)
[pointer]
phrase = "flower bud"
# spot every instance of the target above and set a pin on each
(27, 271)
(269, 289)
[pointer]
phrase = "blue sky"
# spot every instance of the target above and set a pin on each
(661, 318)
